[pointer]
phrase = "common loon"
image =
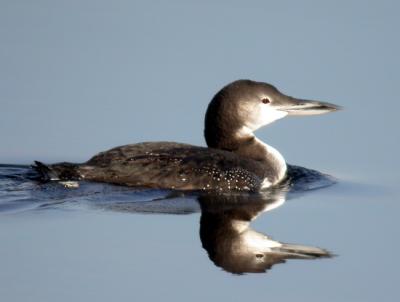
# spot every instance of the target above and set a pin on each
(235, 160)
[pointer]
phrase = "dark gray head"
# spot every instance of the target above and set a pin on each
(244, 106)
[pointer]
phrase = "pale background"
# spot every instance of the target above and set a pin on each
(79, 77)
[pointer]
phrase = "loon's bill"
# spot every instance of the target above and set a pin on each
(295, 106)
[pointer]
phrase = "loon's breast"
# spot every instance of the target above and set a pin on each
(176, 166)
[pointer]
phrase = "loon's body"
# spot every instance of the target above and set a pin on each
(178, 166)
(234, 160)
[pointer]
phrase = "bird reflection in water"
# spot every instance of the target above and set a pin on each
(233, 245)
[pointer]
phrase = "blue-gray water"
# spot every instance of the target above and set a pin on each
(77, 78)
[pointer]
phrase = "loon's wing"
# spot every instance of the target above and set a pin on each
(174, 166)
(141, 151)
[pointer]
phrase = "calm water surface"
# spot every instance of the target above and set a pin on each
(105, 242)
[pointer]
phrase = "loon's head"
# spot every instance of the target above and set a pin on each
(248, 105)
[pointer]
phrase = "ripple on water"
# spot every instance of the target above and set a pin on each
(19, 191)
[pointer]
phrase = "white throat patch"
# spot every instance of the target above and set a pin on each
(263, 116)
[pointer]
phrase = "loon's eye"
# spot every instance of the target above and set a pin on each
(266, 100)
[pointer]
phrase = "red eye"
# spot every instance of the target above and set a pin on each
(266, 101)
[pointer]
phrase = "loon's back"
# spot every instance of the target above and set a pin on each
(167, 165)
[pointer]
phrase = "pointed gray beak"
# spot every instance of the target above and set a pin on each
(295, 106)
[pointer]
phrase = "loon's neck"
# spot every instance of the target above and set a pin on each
(243, 142)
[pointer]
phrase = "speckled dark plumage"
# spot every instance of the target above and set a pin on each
(174, 165)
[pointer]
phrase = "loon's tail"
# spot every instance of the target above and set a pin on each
(59, 171)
